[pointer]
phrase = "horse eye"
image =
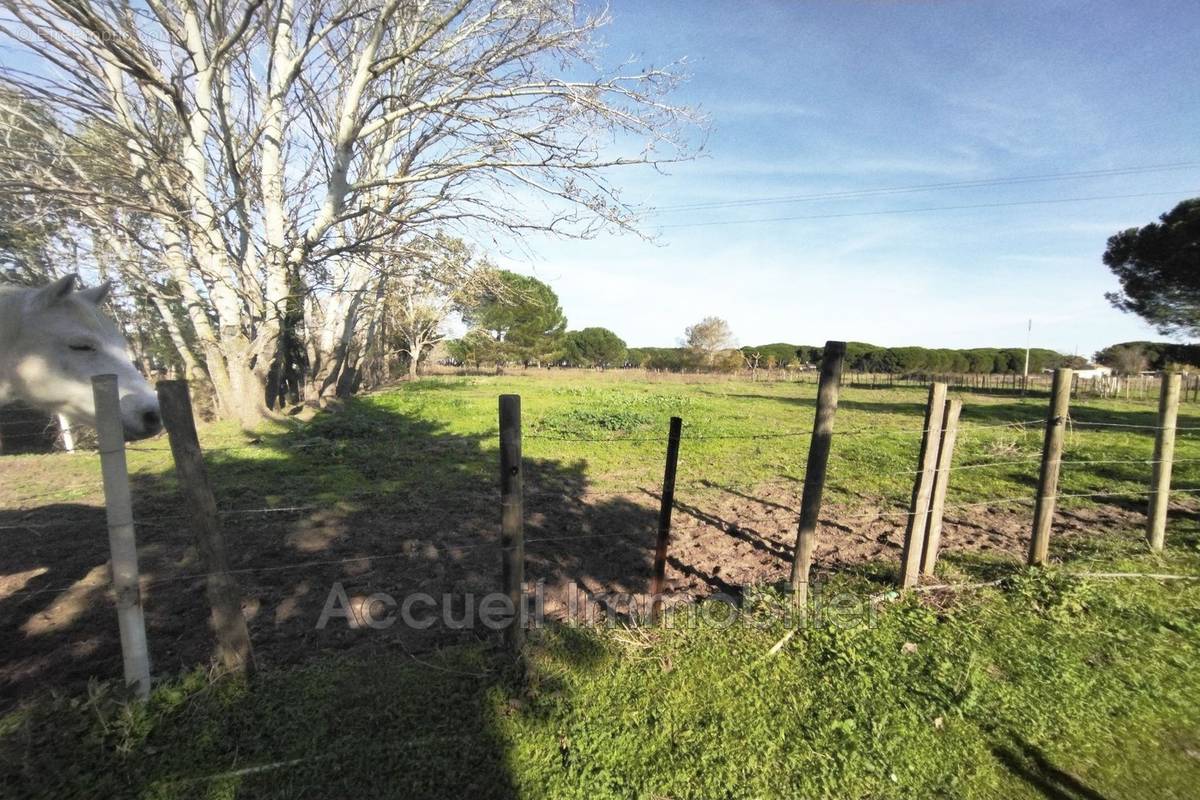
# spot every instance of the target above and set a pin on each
(83, 348)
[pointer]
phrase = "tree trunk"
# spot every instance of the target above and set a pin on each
(248, 391)
(278, 324)
(373, 369)
(330, 348)
(206, 338)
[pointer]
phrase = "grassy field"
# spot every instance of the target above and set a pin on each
(1046, 687)
(608, 434)
(1046, 684)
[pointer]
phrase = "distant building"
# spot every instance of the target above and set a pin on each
(1090, 372)
(1093, 371)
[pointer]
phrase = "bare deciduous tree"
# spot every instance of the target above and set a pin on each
(442, 276)
(284, 156)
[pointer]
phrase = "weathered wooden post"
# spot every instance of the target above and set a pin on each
(512, 516)
(122, 541)
(1047, 491)
(814, 474)
(1164, 452)
(664, 520)
(937, 503)
(224, 596)
(918, 508)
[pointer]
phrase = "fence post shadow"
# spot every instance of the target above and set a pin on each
(1030, 764)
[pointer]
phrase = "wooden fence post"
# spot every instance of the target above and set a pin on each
(664, 520)
(512, 516)
(937, 503)
(122, 541)
(814, 474)
(1164, 452)
(224, 597)
(918, 509)
(1047, 492)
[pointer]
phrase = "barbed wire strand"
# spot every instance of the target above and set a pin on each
(419, 551)
(431, 500)
(1090, 424)
(1071, 462)
(1022, 499)
(440, 548)
(267, 448)
(560, 492)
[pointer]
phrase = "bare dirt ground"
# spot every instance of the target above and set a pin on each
(58, 626)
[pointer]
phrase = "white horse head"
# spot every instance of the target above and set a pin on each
(53, 340)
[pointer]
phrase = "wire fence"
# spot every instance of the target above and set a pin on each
(414, 557)
(563, 491)
(444, 548)
(282, 449)
(1021, 425)
(422, 499)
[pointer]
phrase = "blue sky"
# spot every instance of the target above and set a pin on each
(820, 97)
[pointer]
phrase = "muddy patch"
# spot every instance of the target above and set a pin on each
(58, 627)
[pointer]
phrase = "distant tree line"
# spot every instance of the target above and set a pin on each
(863, 357)
(517, 319)
(1158, 266)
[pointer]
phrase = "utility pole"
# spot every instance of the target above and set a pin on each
(1025, 379)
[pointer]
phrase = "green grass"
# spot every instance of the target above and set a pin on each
(877, 436)
(1047, 685)
(440, 435)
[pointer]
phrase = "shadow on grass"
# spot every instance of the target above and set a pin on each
(370, 498)
(1031, 765)
(977, 567)
(378, 727)
(341, 728)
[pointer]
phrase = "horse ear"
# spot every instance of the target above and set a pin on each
(52, 293)
(96, 294)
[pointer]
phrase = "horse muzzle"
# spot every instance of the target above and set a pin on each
(140, 417)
